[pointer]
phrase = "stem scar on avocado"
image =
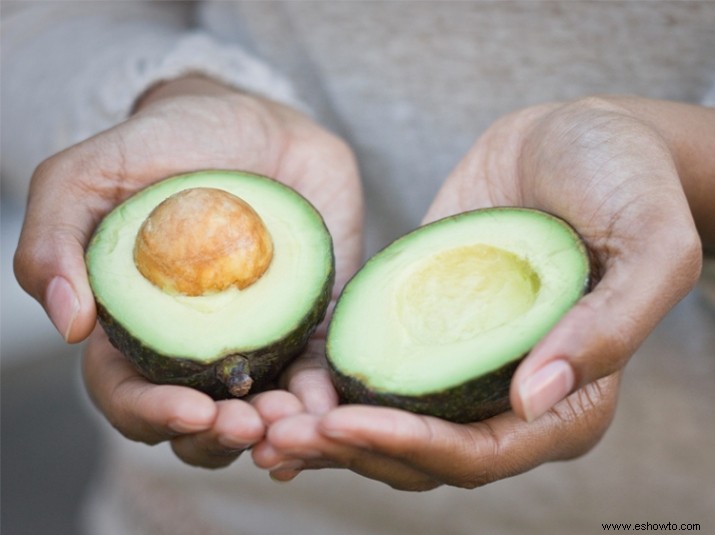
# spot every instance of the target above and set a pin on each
(438, 321)
(213, 280)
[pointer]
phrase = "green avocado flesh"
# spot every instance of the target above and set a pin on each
(213, 341)
(438, 321)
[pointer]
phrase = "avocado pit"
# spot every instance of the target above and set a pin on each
(201, 241)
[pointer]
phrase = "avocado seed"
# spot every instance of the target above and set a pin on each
(201, 241)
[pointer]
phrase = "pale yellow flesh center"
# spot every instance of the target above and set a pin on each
(461, 292)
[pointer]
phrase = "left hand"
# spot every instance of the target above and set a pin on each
(611, 176)
(187, 124)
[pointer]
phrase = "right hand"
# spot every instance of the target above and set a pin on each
(610, 174)
(185, 125)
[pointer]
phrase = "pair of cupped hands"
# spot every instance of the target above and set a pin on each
(590, 162)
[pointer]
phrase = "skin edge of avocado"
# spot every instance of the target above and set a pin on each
(474, 400)
(263, 365)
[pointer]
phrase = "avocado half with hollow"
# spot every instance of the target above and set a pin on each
(437, 322)
(213, 280)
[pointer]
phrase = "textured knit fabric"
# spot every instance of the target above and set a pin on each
(410, 85)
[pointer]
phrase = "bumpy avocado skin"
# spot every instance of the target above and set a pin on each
(472, 401)
(265, 364)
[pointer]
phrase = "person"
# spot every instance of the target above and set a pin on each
(384, 110)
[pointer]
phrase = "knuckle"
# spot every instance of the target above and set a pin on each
(585, 416)
(22, 265)
(482, 446)
(46, 169)
(60, 167)
(681, 252)
(692, 256)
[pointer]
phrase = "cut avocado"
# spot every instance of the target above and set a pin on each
(437, 322)
(213, 280)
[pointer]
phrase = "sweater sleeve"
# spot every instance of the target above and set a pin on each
(73, 69)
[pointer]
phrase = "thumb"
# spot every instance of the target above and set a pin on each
(49, 260)
(601, 332)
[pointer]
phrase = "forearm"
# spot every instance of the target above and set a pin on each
(689, 132)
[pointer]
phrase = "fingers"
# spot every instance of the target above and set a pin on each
(140, 410)
(295, 444)
(463, 456)
(413, 452)
(201, 432)
(236, 428)
(640, 285)
(472, 455)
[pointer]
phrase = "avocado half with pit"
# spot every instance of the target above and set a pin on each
(213, 280)
(437, 322)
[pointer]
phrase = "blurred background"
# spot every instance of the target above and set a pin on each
(49, 444)
(655, 464)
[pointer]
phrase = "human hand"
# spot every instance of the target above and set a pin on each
(186, 125)
(613, 177)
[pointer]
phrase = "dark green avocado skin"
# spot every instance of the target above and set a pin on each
(471, 401)
(264, 364)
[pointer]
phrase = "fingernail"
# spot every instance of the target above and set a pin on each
(286, 471)
(546, 388)
(62, 305)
